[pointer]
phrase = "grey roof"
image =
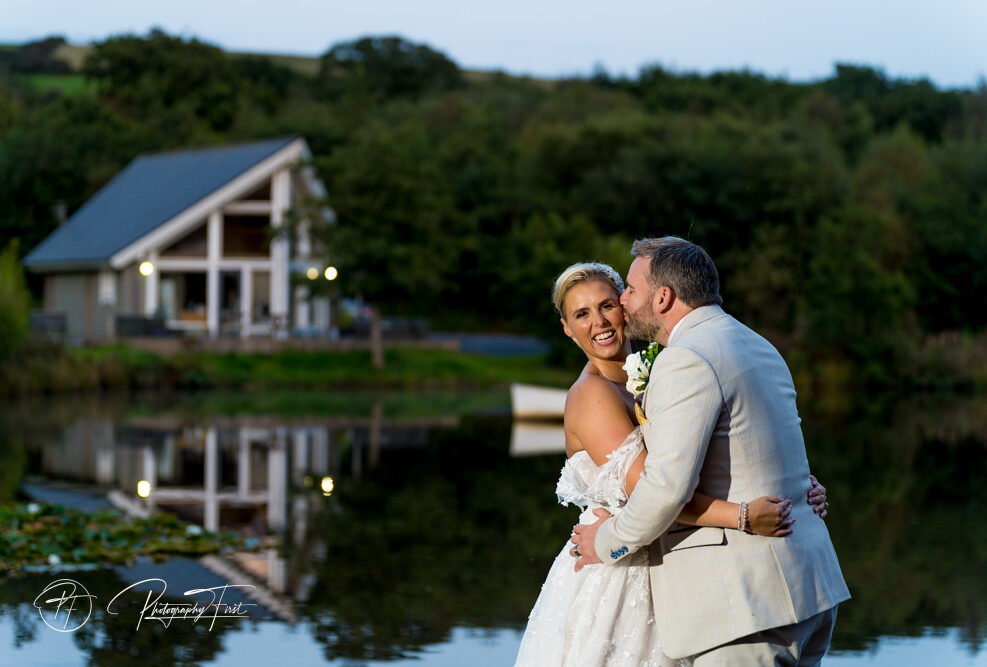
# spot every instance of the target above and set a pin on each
(150, 191)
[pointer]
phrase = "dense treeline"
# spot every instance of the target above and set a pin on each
(847, 215)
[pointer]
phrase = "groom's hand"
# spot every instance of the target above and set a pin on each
(584, 537)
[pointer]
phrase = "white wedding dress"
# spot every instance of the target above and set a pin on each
(602, 615)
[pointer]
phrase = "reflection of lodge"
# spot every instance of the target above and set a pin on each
(232, 472)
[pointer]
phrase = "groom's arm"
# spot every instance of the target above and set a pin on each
(683, 403)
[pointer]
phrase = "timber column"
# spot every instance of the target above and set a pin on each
(280, 282)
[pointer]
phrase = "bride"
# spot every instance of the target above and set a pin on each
(604, 615)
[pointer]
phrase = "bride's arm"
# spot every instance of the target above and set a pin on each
(768, 515)
(595, 419)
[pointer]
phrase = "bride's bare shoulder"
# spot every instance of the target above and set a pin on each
(595, 417)
(590, 395)
(587, 384)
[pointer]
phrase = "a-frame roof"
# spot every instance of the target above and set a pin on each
(149, 192)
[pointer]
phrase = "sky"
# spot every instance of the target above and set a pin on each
(945, 40)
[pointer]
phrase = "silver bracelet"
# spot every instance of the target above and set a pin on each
(742, 517)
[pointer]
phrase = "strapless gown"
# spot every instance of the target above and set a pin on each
(602, 615)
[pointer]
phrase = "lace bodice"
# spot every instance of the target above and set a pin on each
(585, 484)
(602, 615)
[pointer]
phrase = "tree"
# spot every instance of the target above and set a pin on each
(384, 68)
(859, 301)
(530, 256)
(59, 155)
(149, 75)
(268, 83)
(918, 103)
(400, 238)
(15, 302)
(36, 57)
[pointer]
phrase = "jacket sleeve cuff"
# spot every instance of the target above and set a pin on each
(607, 548)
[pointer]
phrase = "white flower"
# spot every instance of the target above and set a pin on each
(638, 367)
(53, 559)
(638, 370)
(33, 508)
(192, 529)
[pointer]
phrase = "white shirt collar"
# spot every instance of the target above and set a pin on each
(695, 315)
(671, 334)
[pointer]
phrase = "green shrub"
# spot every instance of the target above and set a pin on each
(15, 302)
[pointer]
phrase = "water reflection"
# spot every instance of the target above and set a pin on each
(442, 519)
(254, 473)
(108, 639)
(536, 438)
(905, 479)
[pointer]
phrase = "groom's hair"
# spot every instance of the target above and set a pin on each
(683, 266)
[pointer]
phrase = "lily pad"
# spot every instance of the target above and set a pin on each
(51, 536)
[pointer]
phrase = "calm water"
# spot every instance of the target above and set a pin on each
(432, 544)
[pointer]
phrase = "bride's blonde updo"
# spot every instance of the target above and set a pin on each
(580, 273)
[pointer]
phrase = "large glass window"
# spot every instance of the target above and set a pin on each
(183, 296)
(246, 236)
(261, 193)
(262, 296)
(193, 244)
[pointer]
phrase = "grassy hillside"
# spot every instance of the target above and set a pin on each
(67, 84)
(75, 54)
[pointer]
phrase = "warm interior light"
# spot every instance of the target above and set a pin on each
(143, 488)
(327, 485)
(331, 273)
(312, 273)
(146, 268)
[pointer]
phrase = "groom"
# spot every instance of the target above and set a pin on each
(722, 420)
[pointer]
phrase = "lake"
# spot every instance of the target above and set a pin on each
(401, 530)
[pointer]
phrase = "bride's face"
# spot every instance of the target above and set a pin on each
(595, 319)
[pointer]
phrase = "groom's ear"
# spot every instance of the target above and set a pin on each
(662, 300)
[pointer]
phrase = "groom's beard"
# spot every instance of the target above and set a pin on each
(641, 325)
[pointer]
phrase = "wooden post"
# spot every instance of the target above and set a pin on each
(376, 339)
(280, 259)
(210, 509)
(376, 426)
(246, 300)
(243, 463)
(151, 289)
(214, 236)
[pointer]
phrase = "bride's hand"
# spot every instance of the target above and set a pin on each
(817, 497)
(769, 516)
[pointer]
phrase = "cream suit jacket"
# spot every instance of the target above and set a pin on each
(722, 420)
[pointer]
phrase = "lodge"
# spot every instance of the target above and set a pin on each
(196, 241)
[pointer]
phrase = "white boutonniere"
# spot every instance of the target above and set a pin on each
(638, 369)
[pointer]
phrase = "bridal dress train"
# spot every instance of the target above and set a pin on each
(602, 615)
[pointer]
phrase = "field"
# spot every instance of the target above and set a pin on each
(67, 84)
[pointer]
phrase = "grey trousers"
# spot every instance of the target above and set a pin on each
(800, 644)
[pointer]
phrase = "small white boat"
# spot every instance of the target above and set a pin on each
(530, 401)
